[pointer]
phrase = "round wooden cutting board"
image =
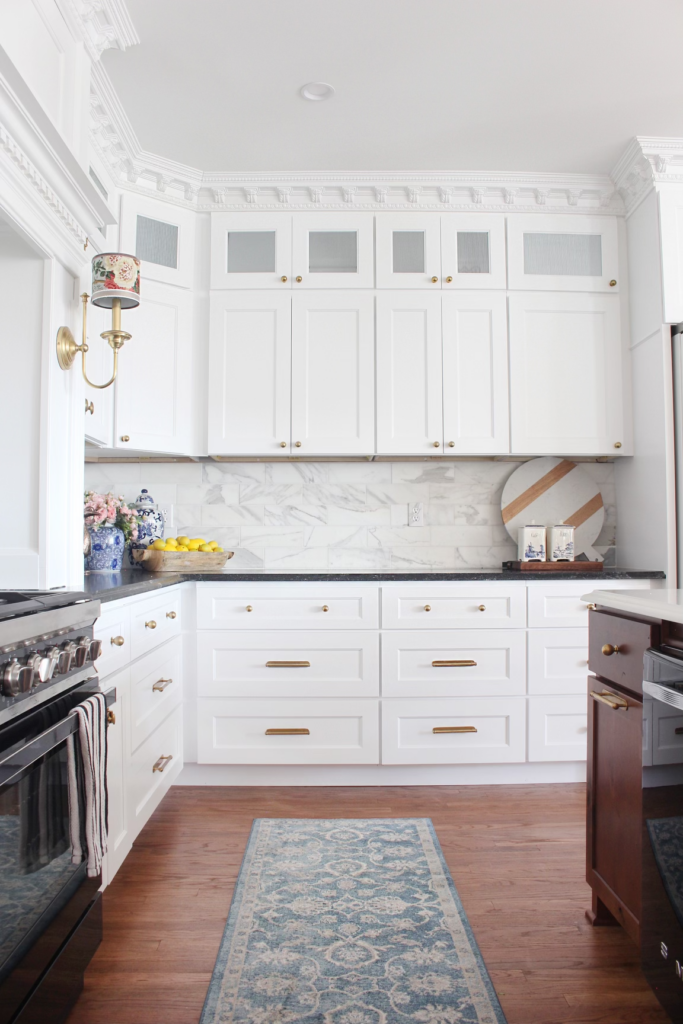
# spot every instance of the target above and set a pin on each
(551, 491)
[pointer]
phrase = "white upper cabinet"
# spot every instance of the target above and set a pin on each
(409, 416)
(161, 236)
(473, 250)
(154, 383)
(333, 250)
(408, 250)
(251, 250)
(475, 373)
(563, 253)
(249, 374)
(566, 386)
(333, 383)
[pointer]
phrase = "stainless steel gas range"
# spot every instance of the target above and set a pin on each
(50, 912)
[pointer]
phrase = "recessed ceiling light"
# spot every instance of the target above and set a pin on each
(317, 91)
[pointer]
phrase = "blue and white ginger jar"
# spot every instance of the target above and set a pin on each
(151, 525)
(106, 554)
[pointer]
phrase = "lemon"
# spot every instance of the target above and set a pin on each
(159, 545)
(182, 547)
(171, 542)
(193, 545)
(206, 547)
(218, 549)
(213, 544)
(183, 541)
(200, 540)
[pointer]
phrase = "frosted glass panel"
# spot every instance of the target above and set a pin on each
(333, 252)
(409, 252)
(563, 255)
(251, 252)
(473, 252)
(156, 242)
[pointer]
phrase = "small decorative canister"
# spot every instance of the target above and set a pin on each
(561, 543)
(150, 524)
(531, 543)
(106, 552)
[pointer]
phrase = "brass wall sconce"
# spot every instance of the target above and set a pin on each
(115, 286)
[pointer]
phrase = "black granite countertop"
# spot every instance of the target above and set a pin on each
(133, 582)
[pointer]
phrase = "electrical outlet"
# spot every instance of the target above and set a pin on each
(415, 514)
(167, 513)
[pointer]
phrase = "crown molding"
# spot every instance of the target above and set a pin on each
(647, 162)
(99, 24)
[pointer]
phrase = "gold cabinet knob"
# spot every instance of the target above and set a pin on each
(118, 641)
(284, 279)
(326, 608)
(608, 650)
(151, 624)
(437, 444)
(90, 407)
(283, 444)
(451, 444)
(428, 607)
(125, 437)
(299, 280)
(249, 608)
(297, 444)
(617, 444)
(482, 607)
(435, 280)
(448, 280)
(612, 283)
(171, 615)
(111, 717)
(592, 607)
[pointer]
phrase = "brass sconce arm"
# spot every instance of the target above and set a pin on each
(67, 347)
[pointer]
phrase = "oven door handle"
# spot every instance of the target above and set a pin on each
(14, 765)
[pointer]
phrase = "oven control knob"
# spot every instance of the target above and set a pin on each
(49, 664)
(16, 679)
(66, 658)
(33, 662)
(95, 649)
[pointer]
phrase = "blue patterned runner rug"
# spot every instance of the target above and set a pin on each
(348, 921)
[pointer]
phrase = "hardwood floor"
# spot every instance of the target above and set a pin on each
(516, 854)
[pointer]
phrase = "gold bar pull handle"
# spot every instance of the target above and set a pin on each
(161, 685)
(438, 730)
(612, 700)
(288, 664)
(159, 765)
(455, 663)
(288, 732)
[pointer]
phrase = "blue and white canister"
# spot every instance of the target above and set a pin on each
(561, 543)
(151, 525)
(531, 543)
(106, 552)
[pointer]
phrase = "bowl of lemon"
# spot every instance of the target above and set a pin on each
(182, 554)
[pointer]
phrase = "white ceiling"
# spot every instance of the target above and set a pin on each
(500, 85)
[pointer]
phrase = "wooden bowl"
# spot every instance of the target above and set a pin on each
(181, 561)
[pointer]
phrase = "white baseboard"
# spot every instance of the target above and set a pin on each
(381, 775)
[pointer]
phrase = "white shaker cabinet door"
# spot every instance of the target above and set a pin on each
(162, 237)
(560, 253)
(251, 250)
(566, 387)
(409, 374)
(473, 250)
(333, 373)
(332, 250)
(249, 373)
(154, 382)
(475, 373)
(408, 250)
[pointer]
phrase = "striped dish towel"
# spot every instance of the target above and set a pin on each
(88, 779)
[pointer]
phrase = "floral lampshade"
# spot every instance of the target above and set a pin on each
(115, 275)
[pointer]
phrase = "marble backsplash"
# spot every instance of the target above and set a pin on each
(341, 515)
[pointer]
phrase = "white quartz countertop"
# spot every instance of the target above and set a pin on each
(655, 604)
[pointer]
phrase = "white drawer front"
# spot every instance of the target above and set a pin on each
(560, 604)
(408, 735)
(667, 743)
(260, 606)
(339, 732)
(558, 728)
(146, 787)
(558, 660)
(153, 622)
(156, 689)
(112, 627)
(339, 664)
(474, 607)
(409, 669)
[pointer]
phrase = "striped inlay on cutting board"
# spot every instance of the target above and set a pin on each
(550, 491)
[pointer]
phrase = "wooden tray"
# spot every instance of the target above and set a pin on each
(553, 566)
(181, 561)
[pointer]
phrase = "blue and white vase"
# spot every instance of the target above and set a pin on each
(106, 554)
(150, 527)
